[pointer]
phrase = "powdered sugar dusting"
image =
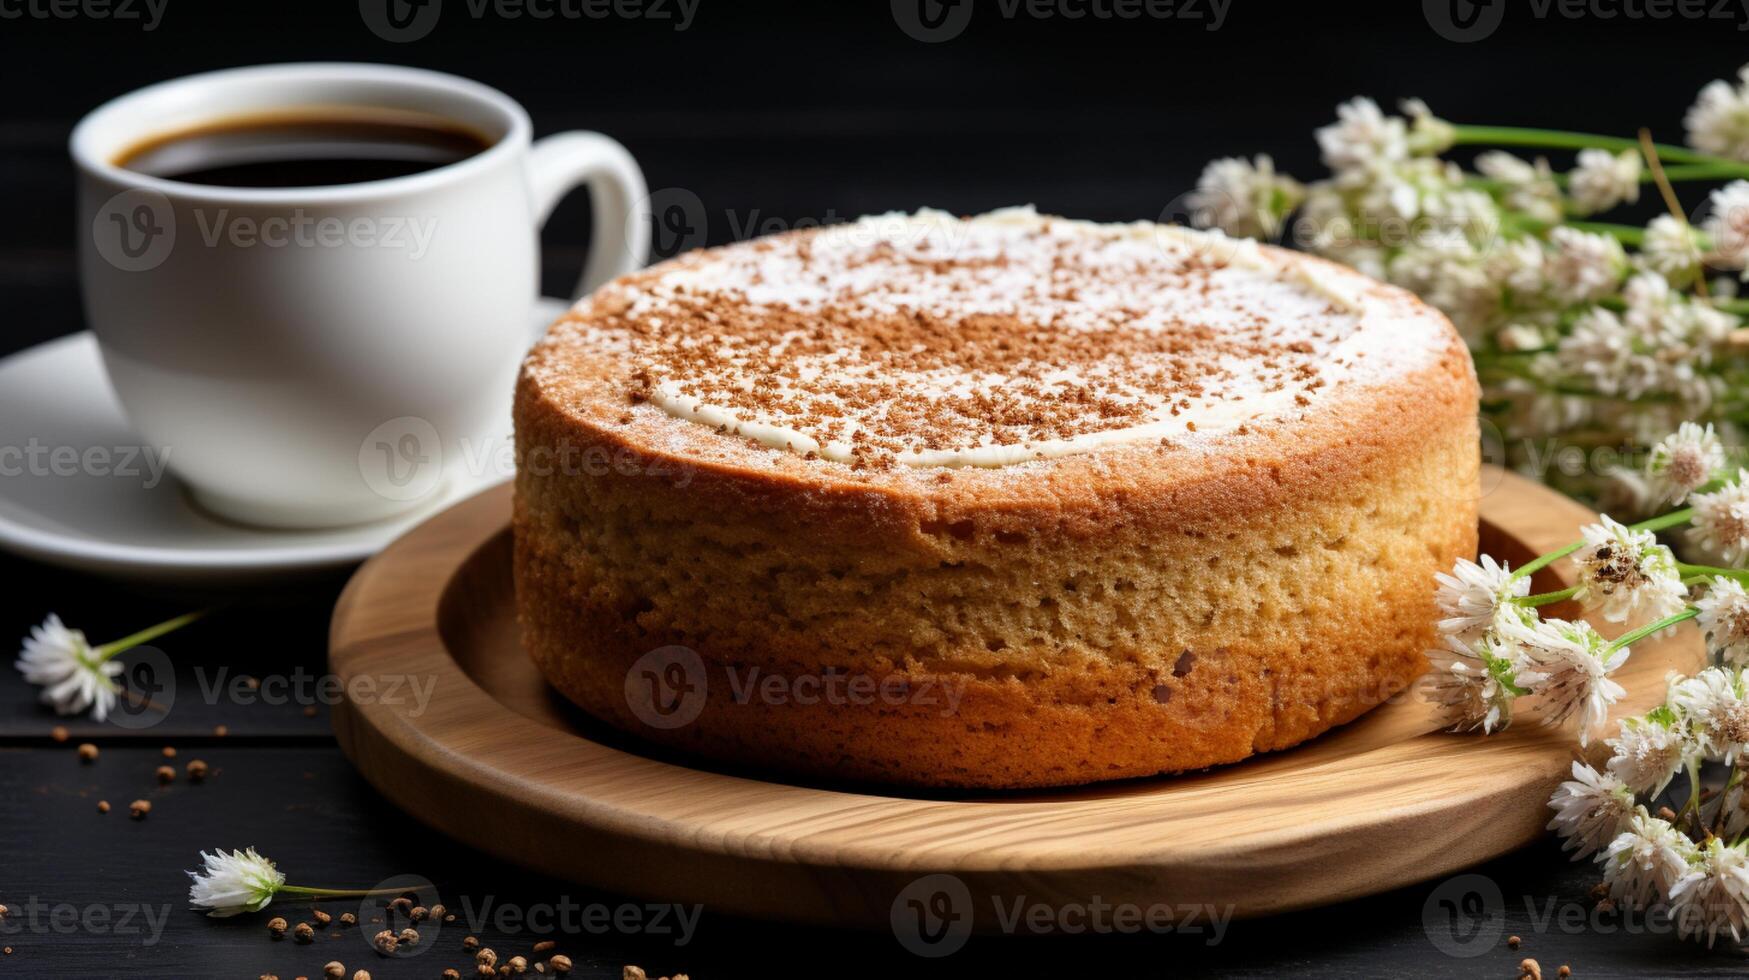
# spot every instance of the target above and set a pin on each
(926, 340)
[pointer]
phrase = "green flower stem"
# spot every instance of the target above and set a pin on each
(1635, 636)
(1546, 598)
(1701, 171)
(1711, 571)
(1693, 804)
(1626, 234)
(150, 633)
(1560, 139)
(337, 892)
(1541, 562)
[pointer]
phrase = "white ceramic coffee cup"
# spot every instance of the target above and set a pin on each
(304, 355)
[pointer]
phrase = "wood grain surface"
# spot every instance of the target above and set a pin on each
(1283, 831)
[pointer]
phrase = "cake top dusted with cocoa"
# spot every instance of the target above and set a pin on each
(926, 340)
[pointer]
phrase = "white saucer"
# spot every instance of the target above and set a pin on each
(119, 521)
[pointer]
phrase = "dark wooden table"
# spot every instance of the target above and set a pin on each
(770, 116)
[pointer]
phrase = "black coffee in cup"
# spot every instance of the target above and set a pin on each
(308, 147)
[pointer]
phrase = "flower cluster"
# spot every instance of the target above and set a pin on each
(1497, 647)
(1584, 333)
(1694, 861)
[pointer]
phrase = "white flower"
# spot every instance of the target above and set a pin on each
(1721, 520)
(1652, 316)
(1428, 133)
(1520, 337)
(1591, 810)
(1724, 618)
(1244, 199)
(1517, 264)
(75, 679)
(1648, 754)
(1604, 179)
(1388, 194)
(1362, 137)
(1568, 664)
(1627, 572)
(1473, 683)
(1584, 266)
(1646, 860)
(1472, 596)
(1601, 349)
(1449, 274)
(1727, 226)
(1684, 461)
(1718, 122)
(1528, 187)
(234, 883)
(1714, 895)
(1736, 815)
(1712, 703)
(1669, 249)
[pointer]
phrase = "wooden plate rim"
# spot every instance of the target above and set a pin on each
(388, 615)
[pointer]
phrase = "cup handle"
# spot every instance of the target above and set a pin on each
(562, 162)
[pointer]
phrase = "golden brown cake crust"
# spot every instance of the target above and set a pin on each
(1137, 609)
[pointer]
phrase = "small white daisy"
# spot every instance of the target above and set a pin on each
(1473, 596)
(1684, 461)
(1721, 520)
(1603, 179)
(1517, 264)
(1727, 226)
(1583, 266)
(1645, 860)
(1568, 664)
(1724, 618)
(1714, 895)
(1473, 682)
(1591, 810)
(1736, 814)
(1247, 199)
(1625, 573)
(1718, 122)
(1528, 187)
(1669, 248)
(234, 883)
(74, 676)
(1601, 349)
(1362, 137)
(1648, 753)
(1428, 134)
(1712, 701)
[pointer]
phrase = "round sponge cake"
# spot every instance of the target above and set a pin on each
(993, 502)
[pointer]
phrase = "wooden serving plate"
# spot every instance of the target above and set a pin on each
(498, 761)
